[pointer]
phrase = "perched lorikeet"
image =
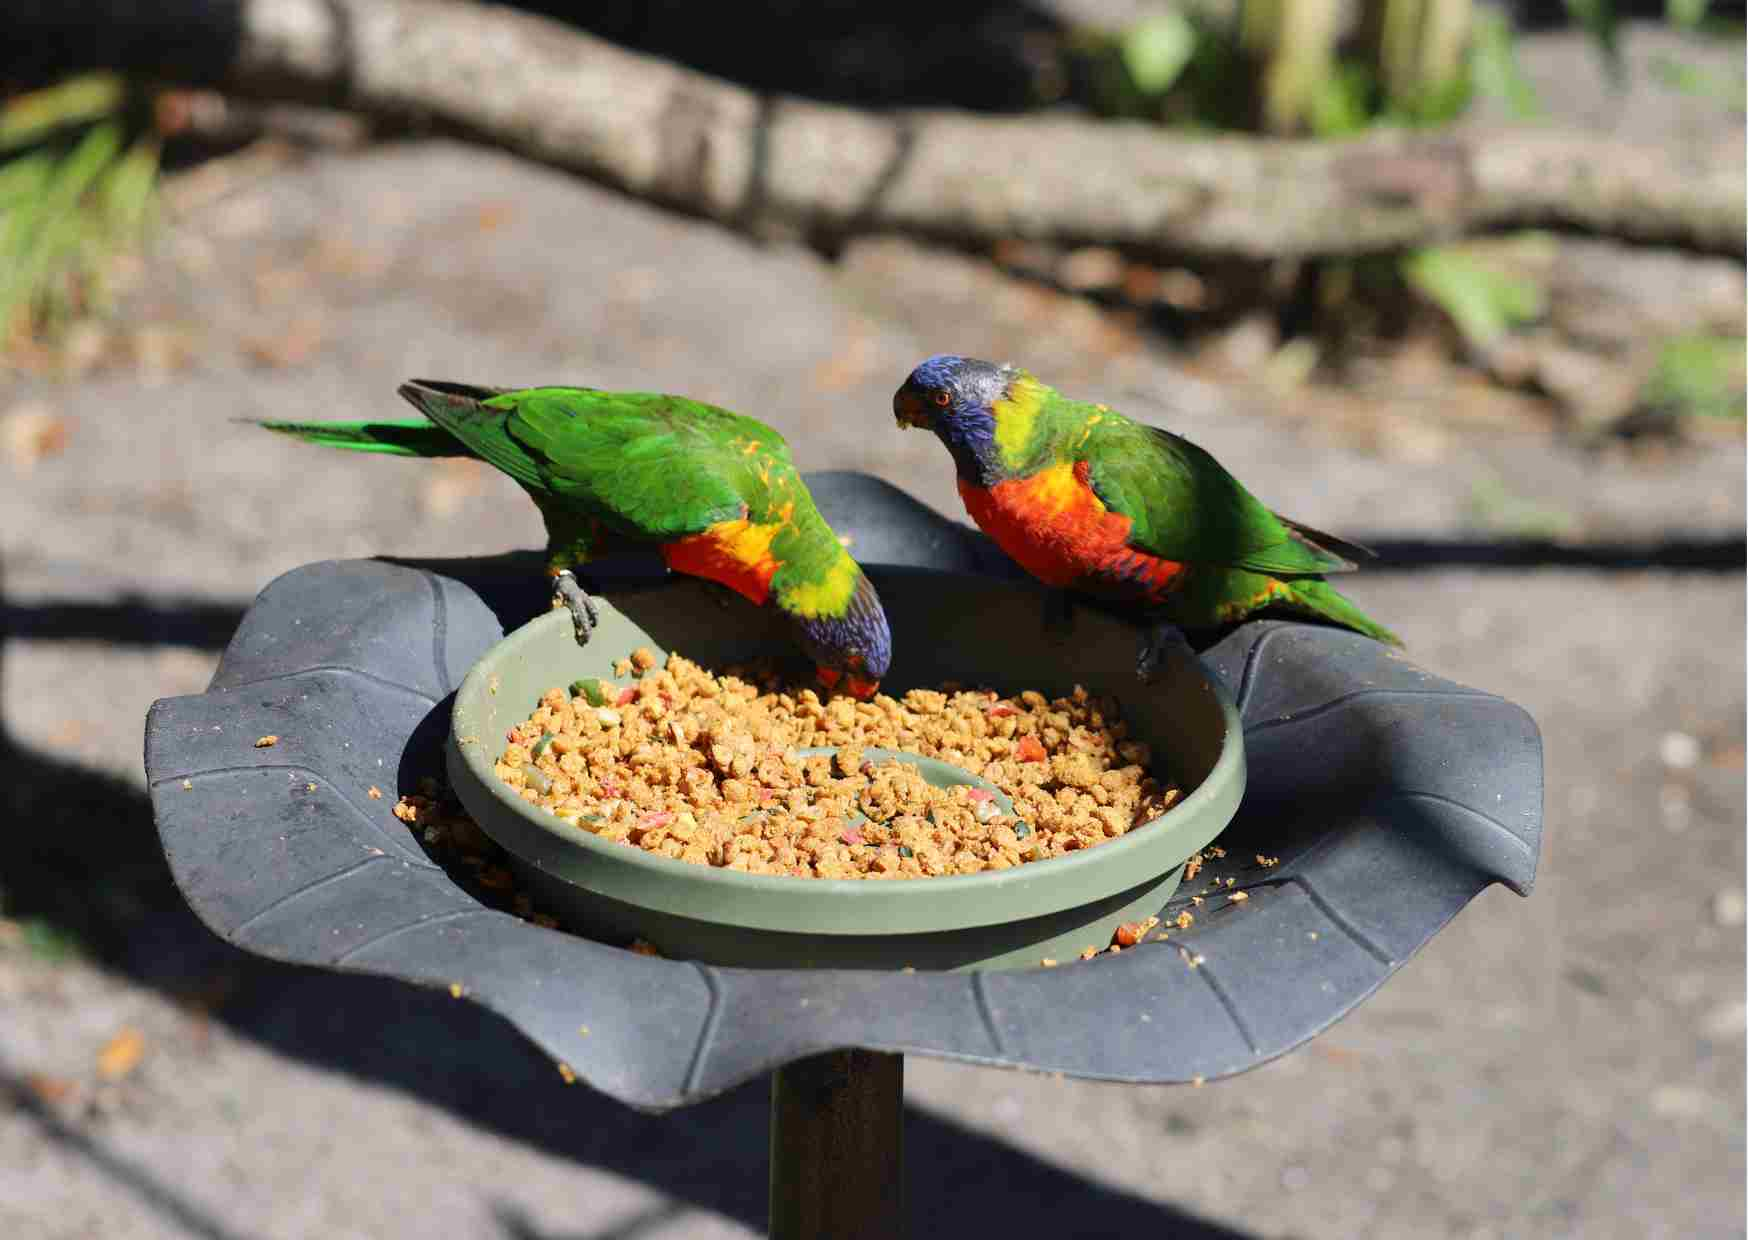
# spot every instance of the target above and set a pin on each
(1086, 499)
(715, 493)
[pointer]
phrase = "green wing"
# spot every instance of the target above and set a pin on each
(655, 466)
(1186, 507)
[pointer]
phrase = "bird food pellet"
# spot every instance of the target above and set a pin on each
(706, 769)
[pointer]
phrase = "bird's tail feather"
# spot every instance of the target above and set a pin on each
(1322, 600)
(400, 437)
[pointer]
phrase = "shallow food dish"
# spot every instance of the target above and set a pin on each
(946, 628)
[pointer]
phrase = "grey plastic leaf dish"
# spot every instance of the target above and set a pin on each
(1387, 796)
(946, 627)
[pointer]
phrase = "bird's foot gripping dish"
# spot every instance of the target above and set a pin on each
(707, 769)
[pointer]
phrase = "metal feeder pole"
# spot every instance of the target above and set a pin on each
(837, 1147)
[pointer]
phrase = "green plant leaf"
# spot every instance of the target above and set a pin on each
(1697, 375)
(1155, 51)
(1483, 302)
(1693, 80)
(1494, 68)
(1687, 14)
(1598, 17)
(76, 188)
(47, 941)
(1344, 103)
(31, 117)
(1494, 507)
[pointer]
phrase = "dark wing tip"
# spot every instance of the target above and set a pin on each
(1343, 554)
(415, 389)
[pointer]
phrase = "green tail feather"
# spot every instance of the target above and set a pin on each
(393, 438)
(1321, 599)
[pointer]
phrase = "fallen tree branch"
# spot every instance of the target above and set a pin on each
(660, 131)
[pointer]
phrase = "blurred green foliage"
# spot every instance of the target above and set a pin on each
(1692, 80)
(1282, 66)
(78, 171)
(43, 939)
(1496, 509)
(1697, 375)
(1484, 300)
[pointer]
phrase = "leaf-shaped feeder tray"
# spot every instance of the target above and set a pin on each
(1390, 798)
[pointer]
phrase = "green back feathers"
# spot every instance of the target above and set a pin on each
(656, 467)
(1183, 503)
(661, 466)
(649, 466)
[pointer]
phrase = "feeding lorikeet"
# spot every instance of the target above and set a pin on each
(1086, 499)
(714, 492)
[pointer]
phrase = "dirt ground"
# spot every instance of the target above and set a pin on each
(1566, 1065)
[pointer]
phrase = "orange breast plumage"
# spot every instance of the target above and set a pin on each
(735, 553)
(1055, 526)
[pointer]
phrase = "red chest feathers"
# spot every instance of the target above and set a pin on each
(1057, 529)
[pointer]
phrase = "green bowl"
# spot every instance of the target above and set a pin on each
(945, 627)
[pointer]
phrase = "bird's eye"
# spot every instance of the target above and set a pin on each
(943, 399)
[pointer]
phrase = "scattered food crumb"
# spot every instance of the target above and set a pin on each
(643, 947)
(267, 742)
(1089, 953)
(121, 1054)
(1192, 867)
(567, 1072)
(583, 1029)
(455, 991)
(1186, 919)
(1267, 863)
(1239, 897)
(1049, 962)
(50, 1089)
(188, 785)
(309, 787)
(375, 793)
(1132, 932)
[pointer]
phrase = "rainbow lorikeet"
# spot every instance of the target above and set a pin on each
(715, 493)
(1086, 499)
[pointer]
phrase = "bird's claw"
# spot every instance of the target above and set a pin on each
(584, 616)
(1162, 638)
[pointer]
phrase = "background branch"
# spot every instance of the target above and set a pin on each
(776, 164)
